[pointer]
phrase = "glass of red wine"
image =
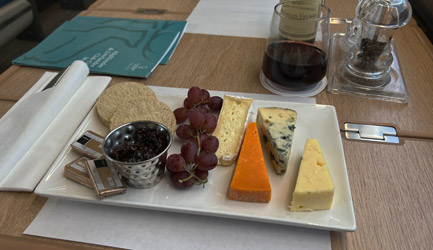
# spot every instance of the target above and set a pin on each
(296, 55)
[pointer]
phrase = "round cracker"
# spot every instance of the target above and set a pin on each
(144, 110)
(120, 95)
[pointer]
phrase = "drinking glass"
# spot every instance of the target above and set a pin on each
(296, 55)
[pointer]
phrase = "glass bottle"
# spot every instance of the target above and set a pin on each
(299, 31)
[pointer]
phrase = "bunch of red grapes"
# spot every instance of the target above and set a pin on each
(197, 154)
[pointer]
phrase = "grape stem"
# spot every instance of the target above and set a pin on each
(200, 180)
(198, 142)
(189, 167)
(187, 178)
(198, 104)
(191, 174)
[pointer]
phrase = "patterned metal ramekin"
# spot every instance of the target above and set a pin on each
(144, 174)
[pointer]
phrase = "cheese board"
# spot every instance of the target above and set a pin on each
(314, 121)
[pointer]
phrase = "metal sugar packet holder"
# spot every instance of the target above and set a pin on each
(363, 61)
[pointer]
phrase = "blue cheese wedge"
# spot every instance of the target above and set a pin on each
(314, 188)
(277, 126)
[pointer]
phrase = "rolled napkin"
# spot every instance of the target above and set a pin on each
(36, 128)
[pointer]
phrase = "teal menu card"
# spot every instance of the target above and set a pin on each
(107, 49)
(170, 25)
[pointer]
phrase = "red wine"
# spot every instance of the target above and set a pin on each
(294, 65)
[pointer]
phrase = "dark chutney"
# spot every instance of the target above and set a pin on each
(145, 145)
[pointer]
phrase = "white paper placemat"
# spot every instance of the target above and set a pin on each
(243, 18)
(133, 228)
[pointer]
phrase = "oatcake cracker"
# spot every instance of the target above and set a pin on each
(144, 110)
(122, 94)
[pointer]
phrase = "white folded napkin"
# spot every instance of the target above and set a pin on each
(37, 127)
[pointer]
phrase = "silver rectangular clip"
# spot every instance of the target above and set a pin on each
(364, 132)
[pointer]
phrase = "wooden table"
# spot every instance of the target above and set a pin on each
(391, 184)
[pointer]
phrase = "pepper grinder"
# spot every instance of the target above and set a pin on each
(368, 39)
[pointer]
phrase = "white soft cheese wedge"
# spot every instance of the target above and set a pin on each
(277, 126)
(314, 188)
(231, 128)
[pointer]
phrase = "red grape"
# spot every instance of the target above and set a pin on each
(205, 96)
(175, 163)
(184, 132)
(177, 180)
(194, 95)
(202, 136)
(202, 108)
(188, 104)
(206, 161)
(196, 118)
(210, 144)
(189, 151)
(180, 114)
(202, 175)
(215, 103)
(210, 123)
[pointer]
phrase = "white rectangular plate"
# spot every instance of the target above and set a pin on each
(314, 121)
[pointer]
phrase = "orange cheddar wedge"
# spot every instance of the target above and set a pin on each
(250, 181)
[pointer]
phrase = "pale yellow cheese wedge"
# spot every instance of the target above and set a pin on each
(314, 188)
